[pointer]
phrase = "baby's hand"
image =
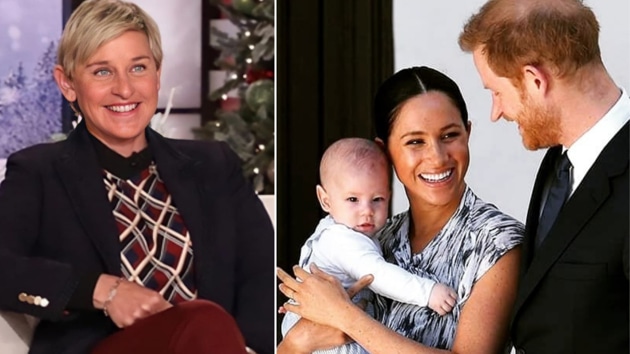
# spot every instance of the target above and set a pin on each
(442, 299)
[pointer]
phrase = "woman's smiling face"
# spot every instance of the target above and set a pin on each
(117, 91)
(428, 145)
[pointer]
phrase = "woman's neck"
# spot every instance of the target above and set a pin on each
(427, 221)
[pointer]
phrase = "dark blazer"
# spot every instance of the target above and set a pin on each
(573, 292)
(56, 225)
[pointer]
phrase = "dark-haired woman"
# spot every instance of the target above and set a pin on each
(448, 234)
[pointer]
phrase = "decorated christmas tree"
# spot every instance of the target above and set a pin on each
(248, 61)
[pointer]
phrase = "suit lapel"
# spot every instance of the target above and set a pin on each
(579, 209)
(184, 179)
(82, 178)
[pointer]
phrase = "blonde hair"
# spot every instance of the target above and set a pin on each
(96, 22)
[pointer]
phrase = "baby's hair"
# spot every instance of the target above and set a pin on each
(354, 153)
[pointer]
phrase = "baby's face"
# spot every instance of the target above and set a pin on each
(359, 199)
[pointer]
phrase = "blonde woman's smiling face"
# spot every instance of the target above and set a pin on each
(117, 91)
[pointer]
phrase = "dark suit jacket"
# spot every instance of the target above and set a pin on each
(573, 293)
(56, 225)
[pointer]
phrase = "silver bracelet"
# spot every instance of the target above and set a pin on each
(112, 292)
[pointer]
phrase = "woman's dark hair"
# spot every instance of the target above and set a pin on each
(408, 83)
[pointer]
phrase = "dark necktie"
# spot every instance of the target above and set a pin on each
(558, 193)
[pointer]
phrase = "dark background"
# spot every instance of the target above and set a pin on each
(331, 57)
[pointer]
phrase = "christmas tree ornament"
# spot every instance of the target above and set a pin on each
(244, 6)
(244, 119)
(253, 75)
(259, 95)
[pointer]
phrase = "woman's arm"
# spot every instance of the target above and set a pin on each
(484, 322)
(482, 328)
(307, 336)
(21, 214)
(322, 299)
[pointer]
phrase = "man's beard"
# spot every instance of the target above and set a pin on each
(540, 126)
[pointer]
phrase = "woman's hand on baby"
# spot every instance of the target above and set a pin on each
(351, 291)
(319, 296)
(130, 303)
(442, 299)
(314, 294)
(307, 336)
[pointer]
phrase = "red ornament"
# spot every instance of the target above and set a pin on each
(255, 75)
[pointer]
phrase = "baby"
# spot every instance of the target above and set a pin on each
(355, 192)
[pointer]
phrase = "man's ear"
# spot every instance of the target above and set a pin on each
(65, 85)
(323, 198)
(535, 80)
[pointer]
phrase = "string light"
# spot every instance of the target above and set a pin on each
(248, 44)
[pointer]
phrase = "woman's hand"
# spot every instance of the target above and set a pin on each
(131, 303)
(307, 336)
(319, 296)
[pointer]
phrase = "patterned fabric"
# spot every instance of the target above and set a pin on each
(470, 243)
(156, 246)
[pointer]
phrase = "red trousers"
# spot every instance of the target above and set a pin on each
(192, 327)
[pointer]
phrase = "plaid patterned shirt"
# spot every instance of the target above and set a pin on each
(156, 246)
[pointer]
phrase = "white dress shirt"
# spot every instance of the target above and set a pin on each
(587, 148)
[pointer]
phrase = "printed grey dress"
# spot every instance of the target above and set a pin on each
(470, 243)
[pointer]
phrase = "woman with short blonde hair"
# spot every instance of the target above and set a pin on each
(121, 240)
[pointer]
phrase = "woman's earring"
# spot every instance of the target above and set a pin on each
(78, 120)
(77, 114)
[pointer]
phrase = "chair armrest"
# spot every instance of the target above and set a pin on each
(16, 332)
